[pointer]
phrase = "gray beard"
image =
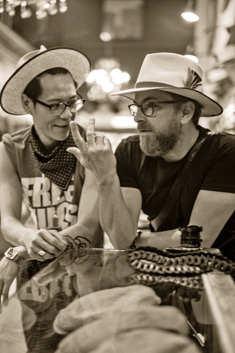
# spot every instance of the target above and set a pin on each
(156, 145)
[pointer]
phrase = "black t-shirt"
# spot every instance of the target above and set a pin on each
(212, 168)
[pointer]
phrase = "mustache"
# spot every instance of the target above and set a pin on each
(143, 126)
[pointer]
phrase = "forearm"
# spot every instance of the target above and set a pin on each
(87, 230)
(115, 217)
(115, 213)
(15, 232)
(86, 234)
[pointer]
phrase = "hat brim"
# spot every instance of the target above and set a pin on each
(71, 59)
(209, 106)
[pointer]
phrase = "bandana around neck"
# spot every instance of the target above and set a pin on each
(57, 165)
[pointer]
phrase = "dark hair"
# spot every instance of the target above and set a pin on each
(34, 89)
(198, 108)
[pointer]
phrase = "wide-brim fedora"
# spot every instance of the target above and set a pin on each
(173, 73)
(36, 62)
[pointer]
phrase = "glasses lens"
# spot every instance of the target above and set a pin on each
(57, 109)
(133, 108)
(148, 108)
(77, 105)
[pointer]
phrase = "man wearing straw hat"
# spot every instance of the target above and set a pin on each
(36, 168)
(176, 171)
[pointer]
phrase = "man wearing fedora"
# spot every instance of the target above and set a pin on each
(176, 171)
(36, 168)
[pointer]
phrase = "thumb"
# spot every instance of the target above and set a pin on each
(76, 152)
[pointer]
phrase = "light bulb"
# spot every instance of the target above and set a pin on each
(189, 13)
(190, 16)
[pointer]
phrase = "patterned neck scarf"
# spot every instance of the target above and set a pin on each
(58, 165)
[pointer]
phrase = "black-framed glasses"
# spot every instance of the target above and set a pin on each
(147, 108)
(59, 108)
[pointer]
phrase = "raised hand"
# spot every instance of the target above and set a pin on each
(96, 154)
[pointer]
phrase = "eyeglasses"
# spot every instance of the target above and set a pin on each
(59, 108)
(147, 108)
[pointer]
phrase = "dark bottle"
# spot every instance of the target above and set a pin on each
(190, 237)
(190, 240)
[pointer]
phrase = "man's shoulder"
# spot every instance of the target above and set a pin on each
(222, 139)
(17, 136)
(219, 139)
(227, 136)
(128, 144)
(217, 150)
(132, 139)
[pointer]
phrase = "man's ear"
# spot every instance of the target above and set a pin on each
(187, 112)
(27, 103)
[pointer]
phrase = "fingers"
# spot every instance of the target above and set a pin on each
(60, 242)
(99, 139)
(91, 132)
(4, 291)
(92, 139)
(79, 141)
(8, 272)
(52, 240)
(1, 287)
(76, 152)
(47, 244)
(107, 143)
(41, 255)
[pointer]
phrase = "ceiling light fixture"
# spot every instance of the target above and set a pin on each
(106, 78)
(189, 13)
(42, 8)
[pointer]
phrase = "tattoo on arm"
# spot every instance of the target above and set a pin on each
(79, 243)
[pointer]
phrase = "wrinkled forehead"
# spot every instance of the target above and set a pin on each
(151, 94)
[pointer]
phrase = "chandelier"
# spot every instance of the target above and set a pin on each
(41, 8)
(106, 78)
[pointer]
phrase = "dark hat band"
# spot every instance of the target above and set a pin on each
(152, 84)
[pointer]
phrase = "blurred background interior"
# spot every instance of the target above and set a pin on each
(116, 35)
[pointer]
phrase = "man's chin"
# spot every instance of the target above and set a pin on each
(149, 152)
(148, 146)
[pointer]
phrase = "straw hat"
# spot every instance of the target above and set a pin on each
(173, 73)
(34, 63)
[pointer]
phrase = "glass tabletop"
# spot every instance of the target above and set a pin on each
(104, 300)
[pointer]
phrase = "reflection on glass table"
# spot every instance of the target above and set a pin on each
(128, 301)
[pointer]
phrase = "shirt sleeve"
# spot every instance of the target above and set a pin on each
(10, 149)
(125, 165)
(221, 172)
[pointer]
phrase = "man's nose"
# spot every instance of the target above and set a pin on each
(67, 114)
(139, 116)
